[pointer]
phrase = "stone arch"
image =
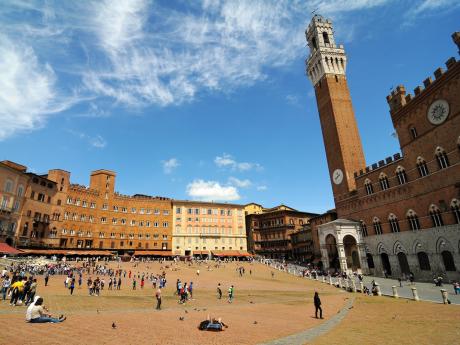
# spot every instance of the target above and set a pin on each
(418, 247)
(433, 208)
(420, 159)
(392, 216)
(398, 247)
(400, 168)
(439, 150)
(443, 244)
(410, 213)
(381, 248)
(382, 175)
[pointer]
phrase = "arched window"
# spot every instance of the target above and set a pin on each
(436, 216)
(313, 42)
(370, 260)
(423, 261)
(363, 228)
(368, 186)
(394, 224)
(325, 37)
(383, 179)
(377, 226)
(20, 190)
(413, 132)
(401, 175)
(455, 206)
(422, 167)
(413, 220)
(441, 157)
(448, 261)
(8, 186)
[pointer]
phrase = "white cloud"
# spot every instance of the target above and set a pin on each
(239, 183)
(169, 165)
(261, 188)
(97, 142)
(430, 7)
(292, 99)
(211, 191)
(27, 89)
(227, 161)
(141, 52)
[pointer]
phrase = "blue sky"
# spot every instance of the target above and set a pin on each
(206, 101)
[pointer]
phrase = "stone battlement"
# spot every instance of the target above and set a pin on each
(398, 98)
(384, 162)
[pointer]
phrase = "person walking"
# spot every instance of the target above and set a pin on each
(72, 286)
(317, 302)
(47, 277)
(219, 291)
(5, 286)
(158, 296)
(230, 294)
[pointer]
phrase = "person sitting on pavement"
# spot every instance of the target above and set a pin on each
(38, 315)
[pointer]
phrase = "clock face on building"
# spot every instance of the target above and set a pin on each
(438, 112)
(337, 176)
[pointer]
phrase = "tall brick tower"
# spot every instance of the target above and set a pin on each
(326, 69)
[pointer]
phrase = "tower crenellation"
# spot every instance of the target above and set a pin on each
(398, 98)
(325, 56)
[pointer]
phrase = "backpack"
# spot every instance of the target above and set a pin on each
(203, 325)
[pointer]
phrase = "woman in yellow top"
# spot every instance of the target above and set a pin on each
(16, 291)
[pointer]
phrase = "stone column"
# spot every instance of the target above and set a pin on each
(353, 285)
(361, 286)
(342, 257)
(324, 279)
(395, 291)
(324, 257)
(415, 293)
(444, 295)
(330, 280)
(363, 258)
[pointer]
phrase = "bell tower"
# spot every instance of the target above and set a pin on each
(326, 67)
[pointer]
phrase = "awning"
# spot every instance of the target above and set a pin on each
(7, 249)
(226, 253)
(152, 253)
(200, 252)
(66, 252)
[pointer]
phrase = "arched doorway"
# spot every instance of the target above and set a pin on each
(403, 264)
(448, 261)
(386, 263)
(370, 260)
(9, 241)
(351, 252)
(332, 254)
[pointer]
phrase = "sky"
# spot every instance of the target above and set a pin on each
(203, 100)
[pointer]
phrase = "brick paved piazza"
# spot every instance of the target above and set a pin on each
(281, 306)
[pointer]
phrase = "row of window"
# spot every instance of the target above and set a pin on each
(84, 203)
(209, 220)
(206, 230)
(413, 221)
(102, 234)
(9, 186)
(276, 222)
(400, 173)
(115, 221)
(208, 211)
